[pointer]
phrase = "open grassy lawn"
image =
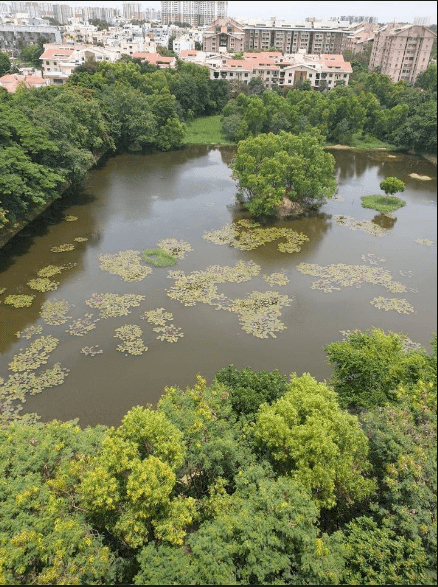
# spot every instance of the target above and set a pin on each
(206, 131)
(382, 203)
(367, 142)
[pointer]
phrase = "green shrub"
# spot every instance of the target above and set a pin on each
(158, 258)
(382, 203)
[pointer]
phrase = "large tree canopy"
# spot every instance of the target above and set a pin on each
(270, 168)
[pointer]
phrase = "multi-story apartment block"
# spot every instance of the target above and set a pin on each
(402, 51)
(62, 12)
(12, 36)
(360, 36)
(196, 13)
(284, 36)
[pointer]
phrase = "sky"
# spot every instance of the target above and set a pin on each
(398, 11)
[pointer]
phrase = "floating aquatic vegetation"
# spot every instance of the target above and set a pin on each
(424, 241)
(200, 286)
(43, 284)
(400, 306)
(381, 203)
(62, 248)
(390, 215)
(365, 225)
(113, 305)
(19, 301)
(334, 276)
(175, 274)
(159, 316)
(55, 312)
(176, 248)
(70, 218)
(246, 235)
(82, 326)
(259, 313)
(130, 335)
(408, 344)
(420, 177)
(80, 239)
(169, 333)
(29, 332)
(13, 391)
(372, 259)
(35, 355)
(126, 264)
(158, 258)
(276, 279)
(2, 290)
(91, 351)
(50, 270)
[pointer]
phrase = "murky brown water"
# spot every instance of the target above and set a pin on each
(133, 201)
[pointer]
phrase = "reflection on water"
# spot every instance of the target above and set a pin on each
(132, 202)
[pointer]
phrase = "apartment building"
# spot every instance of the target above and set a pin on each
(13, 36)
(402, 51)
(360, 35)
(156, 59)
(11, 82)
(196, 13)
(285, 36)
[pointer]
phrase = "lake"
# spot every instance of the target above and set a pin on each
(133, 201)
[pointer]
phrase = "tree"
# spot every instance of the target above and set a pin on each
(370, 366)
(309, 438)
(5, 63)
(31, 54)
(392, 185)
(272, 167)
(427, 80)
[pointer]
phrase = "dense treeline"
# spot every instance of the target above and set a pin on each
(255, 479)
(52, 136)
(371, 106)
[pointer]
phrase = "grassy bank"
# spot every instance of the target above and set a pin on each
(206, 130)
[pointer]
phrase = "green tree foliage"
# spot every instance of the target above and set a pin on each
(369, 368)
(5, 63)
(31, 54)
(311, 439)
(272, 167)
(44, 538)
(392, 185)
(250, 389)
(427, 80)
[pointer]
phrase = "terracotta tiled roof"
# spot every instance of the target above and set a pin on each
(52, 53)
(10, 82)
(153, 58)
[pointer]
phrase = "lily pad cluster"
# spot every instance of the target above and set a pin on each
(51, 270)
(259, 313)
(19, 300)
(43, 284)
(333, 277)
(27, 333)
(91, 351)
(80, 239)
(55, 312)
(424, 241)
(160, 318)
(176, 248)
(399, 305)
(246, 235)
(62, 248)
(279, 278)
(70, 218)
(112, 305)
(13, 391)
(82, 326)
(200, 286)
(126, 264)
(130, 335)
(372, 259)
(2, 290)
(35, 355)
(364, 225)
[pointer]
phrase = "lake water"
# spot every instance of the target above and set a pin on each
(133, 201)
